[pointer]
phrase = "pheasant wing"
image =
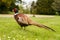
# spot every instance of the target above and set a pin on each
(22, 20)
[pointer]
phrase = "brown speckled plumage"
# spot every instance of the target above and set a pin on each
(24, 21)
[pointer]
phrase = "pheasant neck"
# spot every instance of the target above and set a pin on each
(16, 13)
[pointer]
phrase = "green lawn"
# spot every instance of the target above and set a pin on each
(10, 30)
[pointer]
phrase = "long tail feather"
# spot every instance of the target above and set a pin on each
(43, 26)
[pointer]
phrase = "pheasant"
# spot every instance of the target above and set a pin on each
(25, 21)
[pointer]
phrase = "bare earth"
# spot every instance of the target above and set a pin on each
(29, 15)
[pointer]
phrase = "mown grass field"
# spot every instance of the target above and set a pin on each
(10, 30)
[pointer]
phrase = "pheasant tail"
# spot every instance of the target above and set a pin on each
(43, 26)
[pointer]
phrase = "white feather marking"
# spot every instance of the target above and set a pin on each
(20, 19)
(15, 13)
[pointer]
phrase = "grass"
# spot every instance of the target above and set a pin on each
(10, 30)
